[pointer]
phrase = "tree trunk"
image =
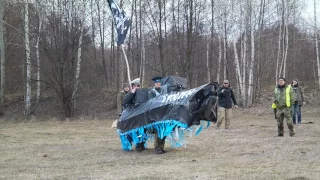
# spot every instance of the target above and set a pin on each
(143, 50)
(258, 78)
(79, 57)
(2, 59)
(173, 54)
(281, 72)
(286, 38)
(219, 59)
(189, 42)
(238, 72)
(208, 64)
(28, 60)
(162, 64)
(102, 31)
(225, 46)
(250, 88)
(212, 36)
(94, 37)
(279, 52)
(316, 39)
(38, 60)
(244, 66)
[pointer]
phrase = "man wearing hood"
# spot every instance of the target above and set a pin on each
(299, 101)
(283, 100)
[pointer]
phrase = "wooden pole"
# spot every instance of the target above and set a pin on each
(127, 63)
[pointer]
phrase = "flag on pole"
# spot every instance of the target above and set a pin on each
(121, 20)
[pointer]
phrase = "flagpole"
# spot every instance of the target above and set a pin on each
(127, 63)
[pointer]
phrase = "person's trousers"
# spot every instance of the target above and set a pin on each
(224, 114)
(282, 114)
(296, 113)
(159, 143)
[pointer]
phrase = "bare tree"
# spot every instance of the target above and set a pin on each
(40, 19)
(278, 72)
(143, 48)
(316, 39)
(219, 58)
(189, 41)
(208, 63)
(252, 37)
(28, 59)
(79, 53)
(102, 28)
(2, 58)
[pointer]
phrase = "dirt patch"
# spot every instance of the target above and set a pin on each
(90, 149)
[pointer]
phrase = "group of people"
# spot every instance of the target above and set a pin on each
(127, 98)
(287, 103)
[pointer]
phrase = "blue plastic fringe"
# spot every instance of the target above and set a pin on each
(172, 129)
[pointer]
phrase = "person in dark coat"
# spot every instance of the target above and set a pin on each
(226, 101)
(298, 102)
(129, 100)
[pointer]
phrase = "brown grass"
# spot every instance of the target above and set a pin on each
(89, 149)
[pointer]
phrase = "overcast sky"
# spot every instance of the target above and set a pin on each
(308, 11)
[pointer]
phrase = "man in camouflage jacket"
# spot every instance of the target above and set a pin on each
(283, 100)
(120, 97)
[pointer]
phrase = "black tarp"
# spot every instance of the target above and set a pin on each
(174, 83)
(187, 106)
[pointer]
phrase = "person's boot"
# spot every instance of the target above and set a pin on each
(139, 147)
(292, 134)
(280, 135)
(143, 147)
(158, 151)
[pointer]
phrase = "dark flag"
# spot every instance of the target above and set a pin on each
(122, 21)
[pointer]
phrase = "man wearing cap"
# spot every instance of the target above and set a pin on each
(225, 99)
(156, 91)
(122, 93)
(283, 100)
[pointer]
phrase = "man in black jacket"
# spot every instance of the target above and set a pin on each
(225, 100)
(130, 100)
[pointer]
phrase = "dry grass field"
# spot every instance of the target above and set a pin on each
(89, 149)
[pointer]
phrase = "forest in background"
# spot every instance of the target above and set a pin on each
(64, 47)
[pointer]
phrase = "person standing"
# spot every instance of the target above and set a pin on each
(225, 100)
(283, 100)
(129, 101)
(120, 97)
(299, 101)
(156, 91)
(129, 98)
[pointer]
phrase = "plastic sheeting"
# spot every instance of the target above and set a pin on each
(167, 112)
